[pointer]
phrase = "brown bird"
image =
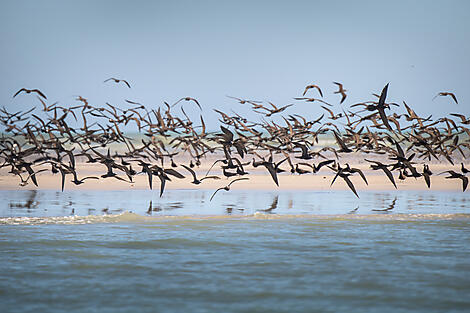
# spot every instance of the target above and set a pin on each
(457, 175)
(312, 86)
(384, 168)
(381, 108)
(313, 100)
(243, 101)
(345, 176)
(195, 180)
(342, 91)
(188, 99)
(118, 81)
(443, 94)
(227, 188)
(463, 118)
(30, 91)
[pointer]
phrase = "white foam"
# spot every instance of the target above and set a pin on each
(129, 217)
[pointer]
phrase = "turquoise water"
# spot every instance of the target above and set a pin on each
(318, 258)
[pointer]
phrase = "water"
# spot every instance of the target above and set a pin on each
(310, 255)
(43, 203)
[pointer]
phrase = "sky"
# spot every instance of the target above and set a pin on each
(260, 50)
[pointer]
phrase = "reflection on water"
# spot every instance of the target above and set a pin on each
(29, 203)
(195, 202)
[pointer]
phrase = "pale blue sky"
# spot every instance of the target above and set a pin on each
(264, 50)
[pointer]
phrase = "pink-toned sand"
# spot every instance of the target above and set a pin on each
(259, 179)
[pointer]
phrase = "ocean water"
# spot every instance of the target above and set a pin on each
(100, 251)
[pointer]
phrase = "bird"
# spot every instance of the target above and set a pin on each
(345, 176)
(195, 180)
(381, 108)
(243, 101)
(427, 175)
(310, 87)
(77, 181)
(30, 91)
(445, 93)
(117, 81)
(187, 99)
(463, 118)
(463, 169)
(341, 91)
(227, 188)
(384, 168)
(454, 174)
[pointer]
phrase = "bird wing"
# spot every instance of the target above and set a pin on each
(190, 170)
(336, 176)
(195, 101)
(329, 111)
(210, 177)
(227, 133)
(383, 95)
(238, 179)
(62, 173)
(22, 89)
(39, 93)
(350, 184)
(305, 91)
(125, 82)
(162, 184)
(319, 91)
(149, 173)
(215, 193)
(272, 171)
(340, 142)
(389, 175)
(464, 182)
(362, 175)
(32, 174)
(173, 172)
(384, 118)
(399, 149)
(454, 97)
(427, 179)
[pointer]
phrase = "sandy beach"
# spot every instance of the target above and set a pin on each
(259, 179)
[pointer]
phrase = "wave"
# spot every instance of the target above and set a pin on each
(130, 217)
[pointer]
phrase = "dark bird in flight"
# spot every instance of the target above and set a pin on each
(188, 99)
(243, 101)
(381, 108)
(117, 81)
(459, 176)
(379, 166)
(30, 91)
(463, 169)
(227, 188)
(345, 176)
(342, 91)
(312, 86)
(443, 94)
(195, 180)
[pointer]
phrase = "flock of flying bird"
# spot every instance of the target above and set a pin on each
(51, 139)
